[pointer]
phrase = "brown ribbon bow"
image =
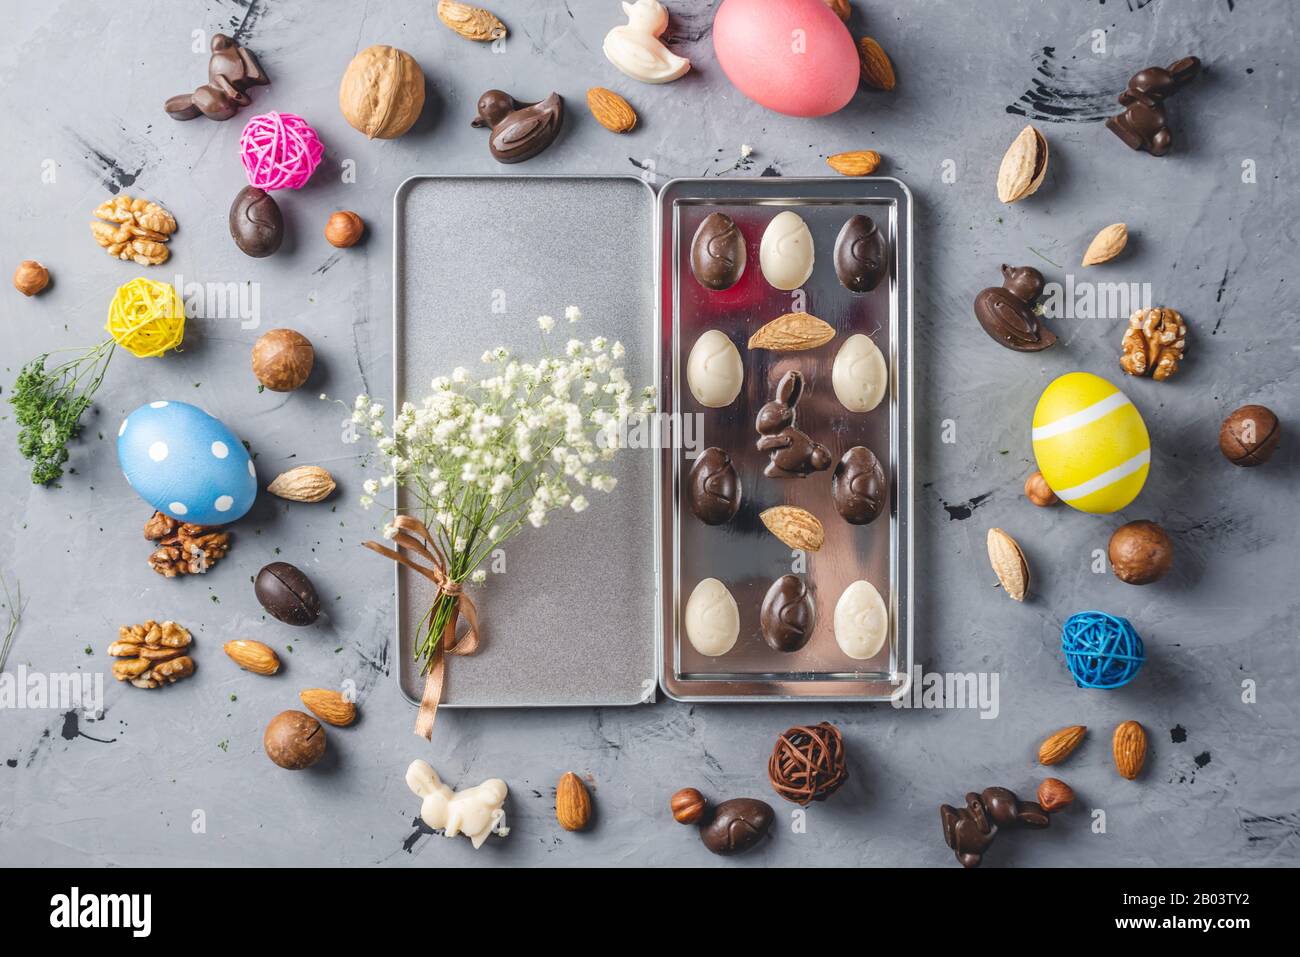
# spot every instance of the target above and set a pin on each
(413, 535)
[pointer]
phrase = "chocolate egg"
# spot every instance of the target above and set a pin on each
(714, 370)
(711, 618)
(718, 252)
(859, 375)
(858, 487)
(287, 594)
(785, 253)
(256, 225)
(787, 616)
(861, 255)
(737, 825)
(714, 487)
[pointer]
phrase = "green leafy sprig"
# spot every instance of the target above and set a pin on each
(49, 404)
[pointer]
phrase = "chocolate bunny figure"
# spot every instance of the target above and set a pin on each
(232, 71)
(1143, 125)
(792, 453)
(970, 830)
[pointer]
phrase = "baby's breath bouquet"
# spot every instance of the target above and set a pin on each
(480, 458)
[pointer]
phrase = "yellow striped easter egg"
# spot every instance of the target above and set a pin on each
(1091, 443)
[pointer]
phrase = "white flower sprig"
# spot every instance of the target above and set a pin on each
(482, 457)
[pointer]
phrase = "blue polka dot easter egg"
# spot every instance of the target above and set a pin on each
(185, 463)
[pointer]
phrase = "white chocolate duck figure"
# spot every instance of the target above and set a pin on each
(474, 812)
(635, 48)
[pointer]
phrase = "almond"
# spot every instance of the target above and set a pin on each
(794, 526)
(611, 110)
(793, 332)
(840, 8)
(1061, 745)
(1055, 795)
(473, 23)
(306, 483)
(330, 706)
(572, 803)
(874, 65)
(1106, 245)
(252, 656)
(1130, 747)
(1008, 563)
(855, 163)
(1023, 167)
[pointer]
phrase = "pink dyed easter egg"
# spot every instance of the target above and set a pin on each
(791, 56)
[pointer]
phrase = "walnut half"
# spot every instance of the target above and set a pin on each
(151, 654)
(1154, 343)
(136, 229)
(184, 549)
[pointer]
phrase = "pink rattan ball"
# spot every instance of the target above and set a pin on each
(279, 151)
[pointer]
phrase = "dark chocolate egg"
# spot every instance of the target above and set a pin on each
(859, 488)
(737, 825)
(861, 255)
(256, 225)
(287, 594)
(713, 487)
(718, 252)
(787, 616)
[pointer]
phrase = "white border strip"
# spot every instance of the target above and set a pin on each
(1108, 477)
(1077, 420)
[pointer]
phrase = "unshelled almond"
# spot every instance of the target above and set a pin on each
(840, 8)
(854, 163)
(473, 23)
(874, 65)
(1008, 563)
(306, 483)
(793, 332)
(1023, 167)
(1055, 795)
(1061, 745)
(1130, 747)
(611, 110)
(330, 706)
(572, 803)
(794, 526)
(252, 656)
(1106, 245)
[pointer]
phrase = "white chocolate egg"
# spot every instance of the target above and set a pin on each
(859, 376)
(714, 370)
(861, 621)
(786, 252)
(712, 619)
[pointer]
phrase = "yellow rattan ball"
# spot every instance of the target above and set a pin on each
(146, 318)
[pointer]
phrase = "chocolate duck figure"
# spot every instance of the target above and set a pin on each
(791, 453)
(519, 130)
(1007, 312)
(1143, 125)
(970, 830)
(232, 71)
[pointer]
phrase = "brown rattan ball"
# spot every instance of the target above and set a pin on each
(807, 763)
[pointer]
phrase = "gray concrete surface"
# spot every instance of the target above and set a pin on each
(84, 86)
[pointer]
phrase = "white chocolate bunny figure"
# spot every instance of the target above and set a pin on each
(635, 48)
(474, 812)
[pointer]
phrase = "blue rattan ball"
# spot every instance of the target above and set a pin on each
(1100, 650)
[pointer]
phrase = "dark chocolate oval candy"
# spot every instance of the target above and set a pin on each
(718, 252)
(737, 825)
(859, 488)
(287, 594)
(787, 616)
(861, 255)
(713, 487)
(256, 225)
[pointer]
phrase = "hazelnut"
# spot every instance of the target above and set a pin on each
(344, 229)
(31, 277)
(1140, 552)
(1038, 491)
(1055, 795)
(283, 359)
(1249, 436)
(688, 805)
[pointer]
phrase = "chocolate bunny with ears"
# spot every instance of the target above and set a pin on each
(1143, 124)
(792, 453)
